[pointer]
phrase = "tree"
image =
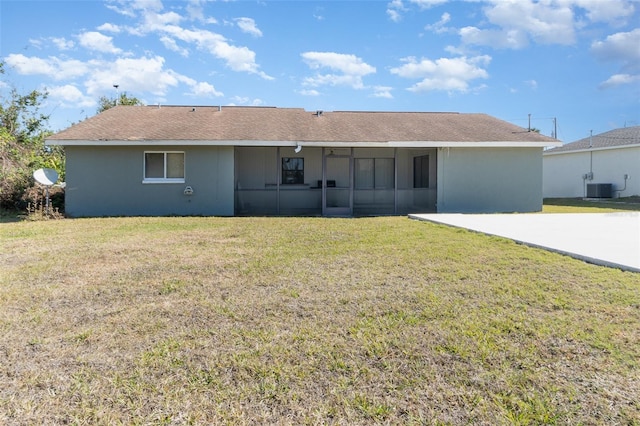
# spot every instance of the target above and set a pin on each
(23, 129)
(105, 103)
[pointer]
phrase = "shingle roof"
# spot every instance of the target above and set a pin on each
(182, 123)
(611, 139)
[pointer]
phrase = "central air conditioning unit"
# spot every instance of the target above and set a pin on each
(599, 190)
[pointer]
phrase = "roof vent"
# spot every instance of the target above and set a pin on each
(193, 109)
(319, 112)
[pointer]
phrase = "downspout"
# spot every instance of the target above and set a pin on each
(588, 176)
(591, 154)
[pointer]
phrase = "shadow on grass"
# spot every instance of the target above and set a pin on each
(9, 216)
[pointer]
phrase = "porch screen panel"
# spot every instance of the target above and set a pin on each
(374, 173)
(364, 173)
(384, 173)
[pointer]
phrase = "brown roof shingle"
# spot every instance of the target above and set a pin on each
(183, 123)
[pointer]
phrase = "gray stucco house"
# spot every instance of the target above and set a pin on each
(606, 165)
(179, 160)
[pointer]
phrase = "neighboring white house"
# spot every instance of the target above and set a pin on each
(606, 165)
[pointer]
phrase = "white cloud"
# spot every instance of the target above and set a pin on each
(244, 100)
(166, 26)
(309, 92)
(171, 44)
(622, 48)
(500, 39)
(52, 67)
(515, 23)
(248, 26)
(133, 74)
(203, 89)
(426, 4)
(382, 92)
(348, 64)
(446, 74)
(440, 26)
(350, 69)
(62, 44)
(533, 84)
(96, 41)
(610, 11)
(237, 58)
(154, 21)
(37, 43)
(145, 74)
(619, 79)
(130, 7)
(395, 9)
(110, 28)
(318, 14)
(195, 12)
(70, 96)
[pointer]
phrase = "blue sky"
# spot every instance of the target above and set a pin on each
(577, 61)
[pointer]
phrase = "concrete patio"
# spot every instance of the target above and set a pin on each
(608, 239)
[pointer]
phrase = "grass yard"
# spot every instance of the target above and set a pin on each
(307, 321)
(579, 205)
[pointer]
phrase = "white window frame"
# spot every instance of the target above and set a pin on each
(164, 179)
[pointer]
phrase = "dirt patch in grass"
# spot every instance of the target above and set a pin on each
(307, 321)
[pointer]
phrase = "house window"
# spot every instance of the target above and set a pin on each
(374, 173)
(164, 167)
(421, 171)
(292, 171)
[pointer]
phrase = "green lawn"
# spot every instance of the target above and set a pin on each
(307, 321)
(578, 205)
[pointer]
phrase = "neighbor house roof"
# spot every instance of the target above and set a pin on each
(617, 138)
(165, 125)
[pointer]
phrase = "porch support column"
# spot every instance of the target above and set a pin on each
(278, 180)
(324, 185)
(395, 180)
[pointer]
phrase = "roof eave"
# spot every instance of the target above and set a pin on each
(334, 144)
(603, 148)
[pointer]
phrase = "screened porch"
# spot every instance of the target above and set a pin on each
(326, 181)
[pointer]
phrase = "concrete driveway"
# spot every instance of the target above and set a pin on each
(609, 239)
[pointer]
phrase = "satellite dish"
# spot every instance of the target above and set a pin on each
(45, 176)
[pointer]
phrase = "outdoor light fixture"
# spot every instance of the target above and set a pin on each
(298, 148)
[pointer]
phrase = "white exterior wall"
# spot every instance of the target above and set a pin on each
(489, 180)
(563, 172)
